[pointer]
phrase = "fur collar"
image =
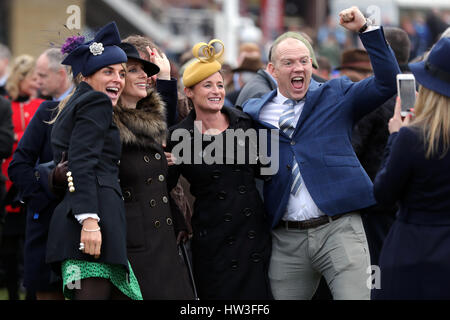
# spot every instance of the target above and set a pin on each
(144, 126)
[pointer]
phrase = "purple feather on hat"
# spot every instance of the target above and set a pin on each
(72, 43)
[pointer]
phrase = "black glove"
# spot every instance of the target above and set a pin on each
(57, 178)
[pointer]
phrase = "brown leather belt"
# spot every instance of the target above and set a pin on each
(307, 224)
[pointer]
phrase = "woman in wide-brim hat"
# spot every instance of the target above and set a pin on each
(153, 219)
(231, 241)
(87, 234)
(414, 261)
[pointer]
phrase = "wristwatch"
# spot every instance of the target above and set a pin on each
(365, 26)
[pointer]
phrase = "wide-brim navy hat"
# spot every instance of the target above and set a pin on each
(434, 72)
(132, 53)
(100, 52)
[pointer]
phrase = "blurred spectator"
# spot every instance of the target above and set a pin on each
(331, 30)
(330, 49)
(435, 24)
(370, 135)
(22, 88)
(6, 145)
(54, 79)
(246, 49)
(5, 55)
(355, 64)
(245, 72)
(324, 70)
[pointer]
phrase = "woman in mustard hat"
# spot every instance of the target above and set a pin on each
(231, 237)
(414, 261)
(87, 234)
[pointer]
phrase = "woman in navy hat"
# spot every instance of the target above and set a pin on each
(153, 219)
(87, 235)
(414, 261)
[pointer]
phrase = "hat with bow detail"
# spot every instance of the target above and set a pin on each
(205, 65)
(102, 51)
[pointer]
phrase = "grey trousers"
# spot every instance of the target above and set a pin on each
(337, 250)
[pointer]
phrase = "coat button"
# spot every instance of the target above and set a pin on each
(216, 174)
(146, 159)
(118, 162)
(228, 217)
(152, 203)
(157, 224)
(247, 212)
(38, 175)
(251, 234)
(148, 181)
(231, 240)
(242, 189)
(256, 257)
(292, 143)
(164, 199)
(288, 167)
(127, 194)
(234, 264)
(157, 156)
(169, 221)
(161, 178)
(222, 195)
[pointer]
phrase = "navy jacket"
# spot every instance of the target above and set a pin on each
(414, 261)
(86, 131)
(322, 139)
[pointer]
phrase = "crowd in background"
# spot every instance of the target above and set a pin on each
(26, 82)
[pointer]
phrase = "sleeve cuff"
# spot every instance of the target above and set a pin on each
(83, 216)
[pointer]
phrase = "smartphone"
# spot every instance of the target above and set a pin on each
(406, 90)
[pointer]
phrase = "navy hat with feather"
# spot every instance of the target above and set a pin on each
(102, 51)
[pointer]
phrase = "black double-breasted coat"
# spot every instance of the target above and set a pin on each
(85, 129)
(152, 217)
(231, 241)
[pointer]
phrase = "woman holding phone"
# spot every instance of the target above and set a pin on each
(414, 260)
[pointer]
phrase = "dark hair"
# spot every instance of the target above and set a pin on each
(399, 41)
(140, 43)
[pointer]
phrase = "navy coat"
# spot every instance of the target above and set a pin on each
(31, 179)
(321, 142)
(86, 131)
(415, 258)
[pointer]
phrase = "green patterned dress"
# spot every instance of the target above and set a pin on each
(75, 270)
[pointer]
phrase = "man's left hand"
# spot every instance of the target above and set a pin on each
(352, 19)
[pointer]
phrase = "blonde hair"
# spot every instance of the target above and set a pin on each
(22, 67)
(432, 118)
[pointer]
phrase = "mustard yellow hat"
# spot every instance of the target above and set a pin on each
(205, 65)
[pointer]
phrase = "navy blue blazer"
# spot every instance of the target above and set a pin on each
(414, 261)
(322, 139)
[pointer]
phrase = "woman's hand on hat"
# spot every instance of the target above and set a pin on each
(396, 122)
(161, 61)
